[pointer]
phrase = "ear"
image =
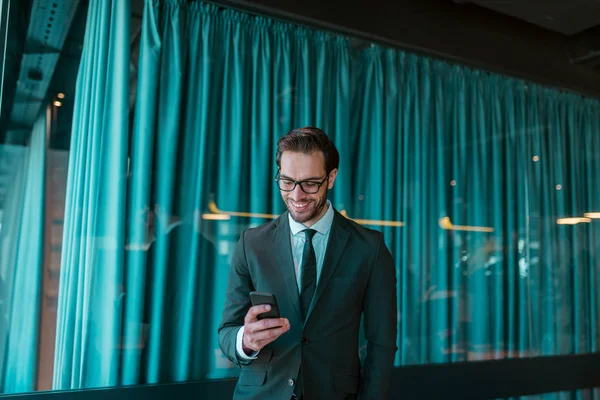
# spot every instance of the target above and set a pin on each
(332, 176)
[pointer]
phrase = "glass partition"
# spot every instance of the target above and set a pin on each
(152, 148)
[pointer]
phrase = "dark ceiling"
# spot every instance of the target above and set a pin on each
(568, 17)
(577, 19)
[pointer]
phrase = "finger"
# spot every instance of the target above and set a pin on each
(254, 311)
(269, 323)
(269, 335)
(265, 324)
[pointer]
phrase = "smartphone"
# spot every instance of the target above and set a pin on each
(258, 298)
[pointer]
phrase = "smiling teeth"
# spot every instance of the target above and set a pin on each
(299, 205)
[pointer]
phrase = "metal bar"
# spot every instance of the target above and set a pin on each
(4, 22)
(592, 58)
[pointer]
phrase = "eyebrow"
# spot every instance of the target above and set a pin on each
(312, 178)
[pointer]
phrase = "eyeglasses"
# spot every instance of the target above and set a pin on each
(309, 187)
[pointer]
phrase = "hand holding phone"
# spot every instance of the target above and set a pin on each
(263, 323)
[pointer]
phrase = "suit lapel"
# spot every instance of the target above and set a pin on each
(338, 238)
(283, 253)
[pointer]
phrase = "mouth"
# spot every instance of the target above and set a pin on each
(299, 206)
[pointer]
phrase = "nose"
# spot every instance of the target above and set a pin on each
(297, 193)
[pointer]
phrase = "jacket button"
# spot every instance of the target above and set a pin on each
(304, 340)
(291, 382)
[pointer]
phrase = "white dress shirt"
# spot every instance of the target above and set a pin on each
(319, 240)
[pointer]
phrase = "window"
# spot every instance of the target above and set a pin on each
(123, 198)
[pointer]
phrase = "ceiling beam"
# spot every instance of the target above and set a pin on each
(49, 25)
(4, 21)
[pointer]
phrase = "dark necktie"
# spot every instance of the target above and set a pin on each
(309, 283)
(309, 272)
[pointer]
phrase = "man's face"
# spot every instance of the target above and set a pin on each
(305, 208)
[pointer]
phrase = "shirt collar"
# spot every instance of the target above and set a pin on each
(322, 226)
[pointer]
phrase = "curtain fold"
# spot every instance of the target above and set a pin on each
(92, 263)
(21, 263)
(459, 168)
(564, 181)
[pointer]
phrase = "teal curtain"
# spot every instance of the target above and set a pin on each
(450, 144)
(459, 168)
(92, 260)
(218, 89)
(21, 262)
(565, 181)
(152, 315)
(503, 160)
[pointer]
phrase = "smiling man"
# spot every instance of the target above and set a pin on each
(326, 272)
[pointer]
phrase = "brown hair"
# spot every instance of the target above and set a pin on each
(308, 140)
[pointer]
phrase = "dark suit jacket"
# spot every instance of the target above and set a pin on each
(358, 276)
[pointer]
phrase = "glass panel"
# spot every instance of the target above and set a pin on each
(134, 159)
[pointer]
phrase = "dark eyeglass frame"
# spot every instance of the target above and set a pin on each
(296, 183)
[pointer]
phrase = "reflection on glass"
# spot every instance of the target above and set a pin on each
(576, 394)
(122, 200)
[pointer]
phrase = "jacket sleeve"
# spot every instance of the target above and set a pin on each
(380, 323)
(237, 304)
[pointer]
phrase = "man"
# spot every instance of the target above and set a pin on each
(324, 279)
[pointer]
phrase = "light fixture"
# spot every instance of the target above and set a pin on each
(212, 207)
(373, 222)
(216, 217)
(592, 215)
(446, 224)
(558, 187)
(60, 95)
(216, 214)
(57, 103)
(572, 221)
